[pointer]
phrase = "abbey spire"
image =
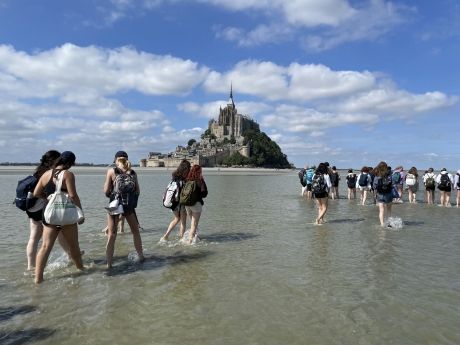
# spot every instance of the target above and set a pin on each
(230, 100)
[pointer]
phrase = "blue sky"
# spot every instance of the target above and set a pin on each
(345, 81)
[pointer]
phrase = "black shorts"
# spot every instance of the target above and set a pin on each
(37, 216)
(308, 187)
(321, 195)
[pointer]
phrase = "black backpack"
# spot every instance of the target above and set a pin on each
(25, 186)
(445, 184)
(319, 185)
(363, 180)
(384, 185)
(351, 181)
(458, 181)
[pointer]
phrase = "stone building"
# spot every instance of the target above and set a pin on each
(210, 151)
(230, 124)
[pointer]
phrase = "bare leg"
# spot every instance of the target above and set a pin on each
(400, 192)
(364, 197)
(121, 224)
(183, 222)
(134, 225)
(322, 208)
(382, 213)
(442, 198)
(70, 233)
(194, 225)
(447, 199)
(324, 204)
(63, 242)
(172, 225)
(36, 231)
(50, 234)
(458, 197)
(111, 237)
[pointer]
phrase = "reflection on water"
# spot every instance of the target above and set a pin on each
(262, 273)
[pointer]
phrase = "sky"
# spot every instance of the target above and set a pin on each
(351, 82)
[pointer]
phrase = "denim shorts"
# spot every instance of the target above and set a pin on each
(385, 198)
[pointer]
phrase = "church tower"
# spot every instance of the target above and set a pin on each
(229, 123)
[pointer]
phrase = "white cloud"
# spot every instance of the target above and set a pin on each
(311, 13)
(334, 91)
(264, 79)
(93, 71)
(295, 82)
(396, 103)
(319, 25)
(260, 35)
(374, 19)
(291, 118)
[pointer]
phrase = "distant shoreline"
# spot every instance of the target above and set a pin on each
(24, 170)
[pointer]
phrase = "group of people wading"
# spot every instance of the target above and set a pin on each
(121, 186)
(381, 184)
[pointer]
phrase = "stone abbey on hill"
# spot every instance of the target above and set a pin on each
(223, 138)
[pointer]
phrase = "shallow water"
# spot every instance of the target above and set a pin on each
(262, 273)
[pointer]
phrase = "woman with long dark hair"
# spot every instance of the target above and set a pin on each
(412, 184)
(194, 211)
(383, 187)
(35, 213)
(45, 187)
(179, 214)
(320, 188)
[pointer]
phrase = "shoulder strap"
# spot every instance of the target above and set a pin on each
(59, 179)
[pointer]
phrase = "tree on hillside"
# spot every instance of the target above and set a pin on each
(264, 151)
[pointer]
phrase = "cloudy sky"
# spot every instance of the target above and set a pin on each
(352, 82)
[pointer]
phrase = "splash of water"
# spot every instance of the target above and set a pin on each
(394, 223)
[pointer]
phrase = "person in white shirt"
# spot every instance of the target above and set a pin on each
(412, 184)
(429, 180)
(445, 182)
(457, 186)
(363, 183)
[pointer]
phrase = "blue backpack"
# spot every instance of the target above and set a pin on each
(23, 199)
(309, 176)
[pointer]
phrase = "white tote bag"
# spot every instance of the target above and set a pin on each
(60, 210)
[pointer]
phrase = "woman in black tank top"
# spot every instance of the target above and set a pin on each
(45, 187)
